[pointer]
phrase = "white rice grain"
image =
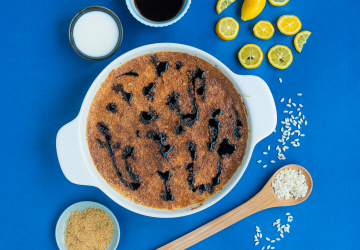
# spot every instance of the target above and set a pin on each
(289, 183)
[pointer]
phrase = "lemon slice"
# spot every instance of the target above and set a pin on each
(223, 4)
(280, 56)
(250, 56)
(278, 2)
(227, 28)
(300, 40)
(289, 24)
(263, 30)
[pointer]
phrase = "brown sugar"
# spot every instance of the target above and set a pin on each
(167, 130)
(91, 228)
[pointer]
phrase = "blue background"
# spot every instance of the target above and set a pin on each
(43, 82)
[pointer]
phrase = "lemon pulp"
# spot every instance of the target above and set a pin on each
(227, 28)
(250, 56)
(280, 56)
(263, 30)
(278, 2)
(223, 4)
(300, 39)
(289, 24)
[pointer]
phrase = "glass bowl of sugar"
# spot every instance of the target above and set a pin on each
(95, 33)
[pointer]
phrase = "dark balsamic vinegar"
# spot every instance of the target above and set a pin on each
(159, 10)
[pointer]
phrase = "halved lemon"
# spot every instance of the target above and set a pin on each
(223, 4)
(250, 56)
(289, 24)
(227, 28)
(251, 9)
(263, 30)
(280, 56)
(278, 2)
(300, 40)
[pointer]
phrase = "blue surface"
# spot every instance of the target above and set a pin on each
(44, 82)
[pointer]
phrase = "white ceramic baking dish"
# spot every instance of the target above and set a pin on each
(74, 155)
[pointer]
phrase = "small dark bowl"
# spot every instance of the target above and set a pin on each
(86, 10)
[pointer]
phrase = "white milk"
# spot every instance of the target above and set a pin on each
(96, 33)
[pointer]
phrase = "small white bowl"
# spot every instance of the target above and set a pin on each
(134, 11)
(61, 224)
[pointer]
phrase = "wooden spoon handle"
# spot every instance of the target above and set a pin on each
(257, 203)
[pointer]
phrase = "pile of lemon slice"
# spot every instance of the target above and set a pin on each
(250, 55)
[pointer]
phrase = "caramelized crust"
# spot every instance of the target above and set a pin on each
(167, 130)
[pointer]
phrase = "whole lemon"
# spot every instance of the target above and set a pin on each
(251, 9)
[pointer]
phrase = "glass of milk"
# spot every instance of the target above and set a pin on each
(95, 33)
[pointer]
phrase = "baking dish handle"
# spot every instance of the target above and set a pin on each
(70, 155)
(260, 105)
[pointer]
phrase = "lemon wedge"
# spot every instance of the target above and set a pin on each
(250, 56)
(223, 4)
(278, 2)
(263, 30)
(300, 40)
(280, 56)
(289, 24)
(227, 28)
(251, 9)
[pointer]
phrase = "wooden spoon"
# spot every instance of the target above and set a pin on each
(266, 198)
